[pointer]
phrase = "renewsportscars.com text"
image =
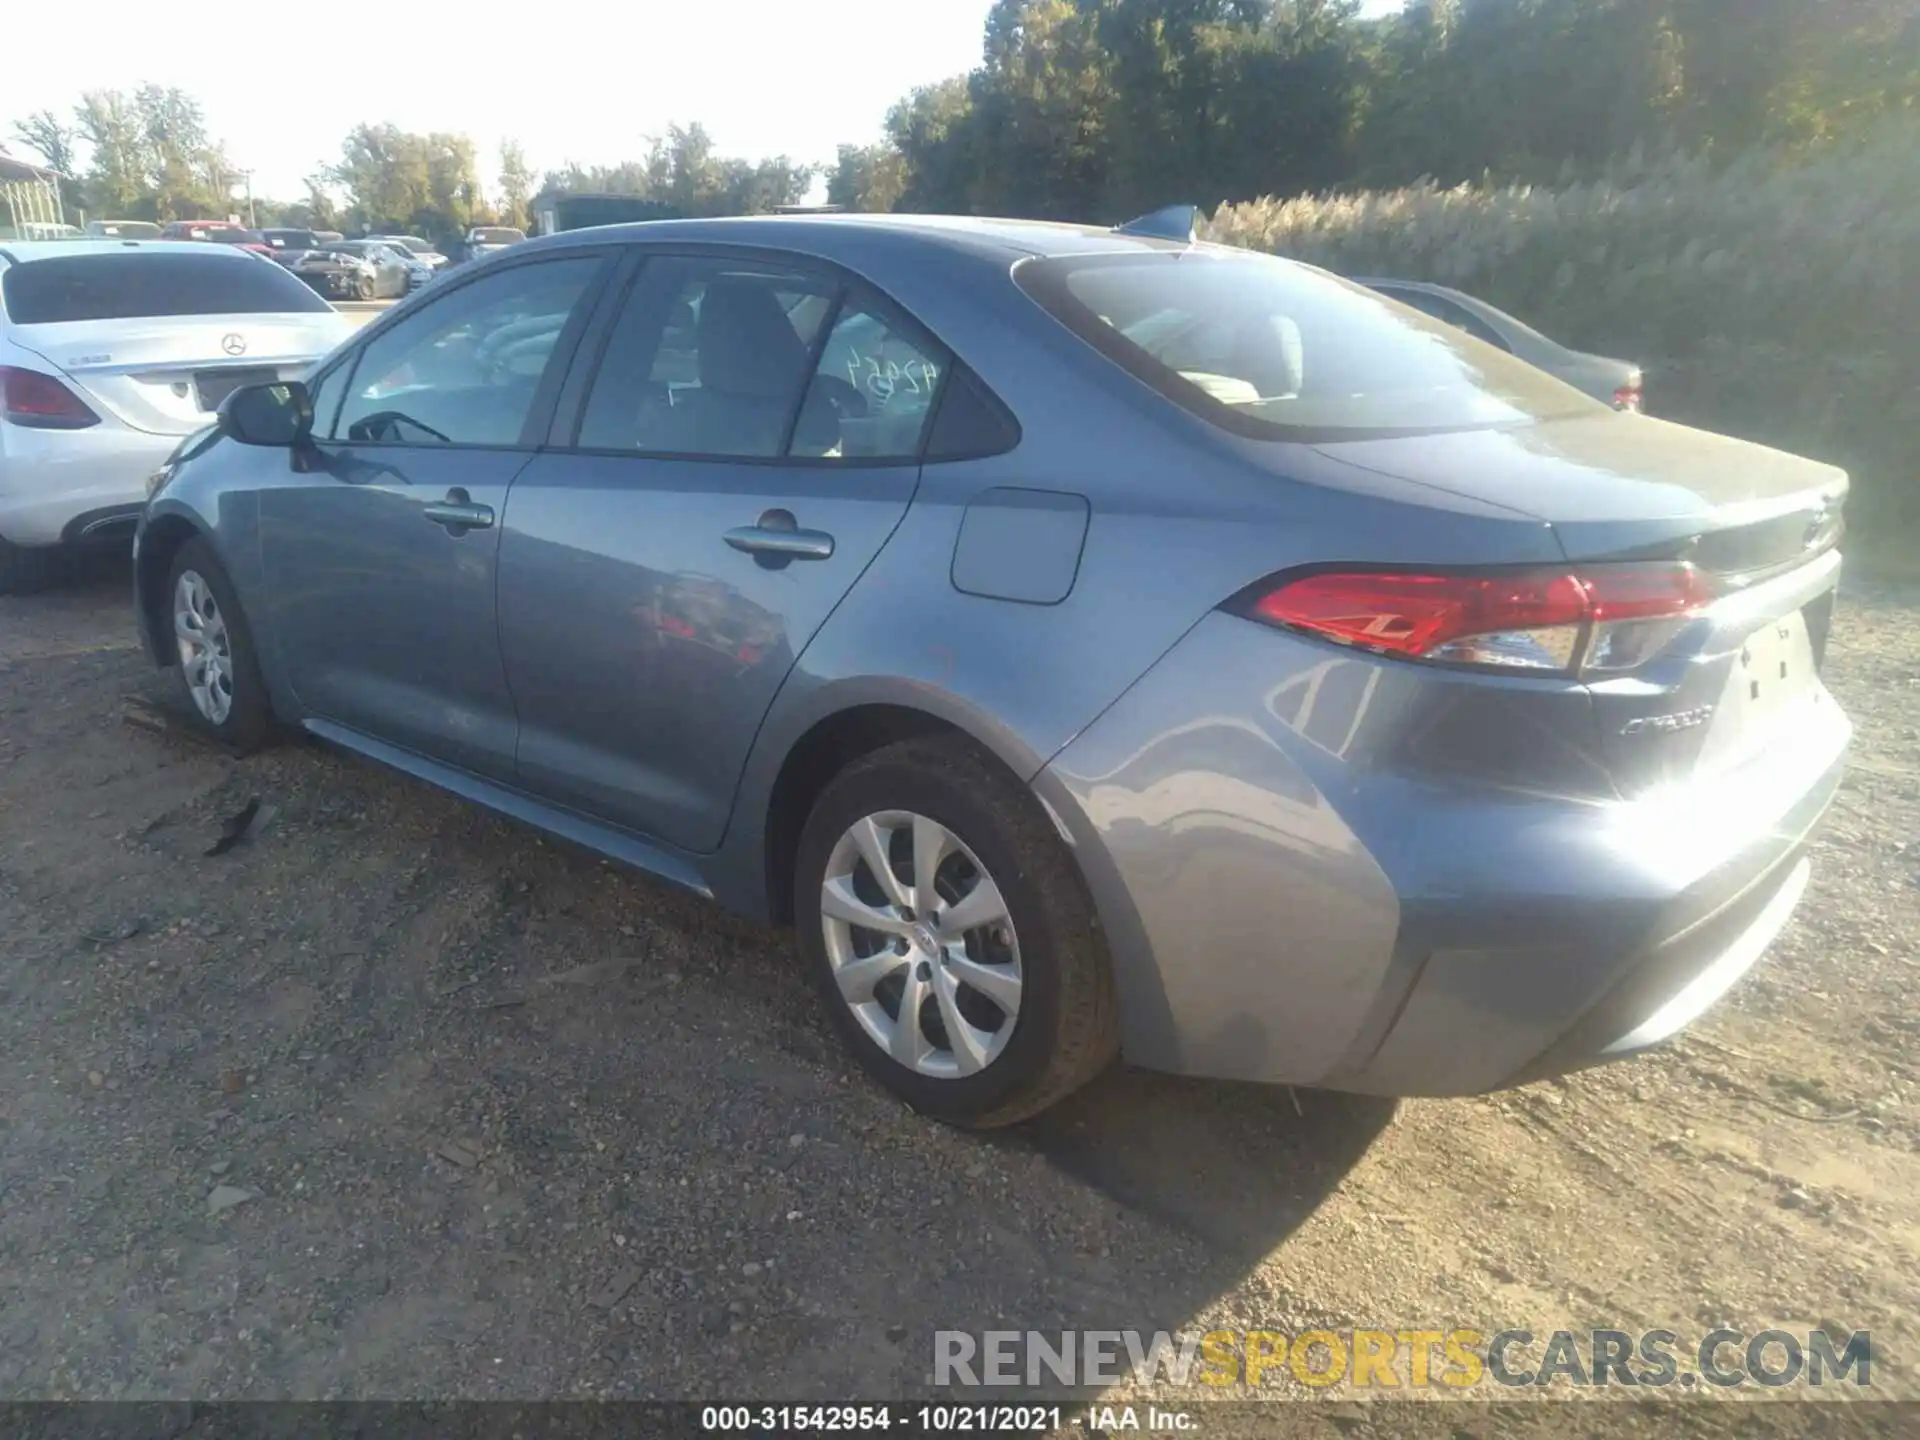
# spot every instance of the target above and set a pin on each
(1456, 1359)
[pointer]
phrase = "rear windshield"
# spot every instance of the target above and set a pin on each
(125, 286)
(291, 239)
(497, 237)
(1277, 351)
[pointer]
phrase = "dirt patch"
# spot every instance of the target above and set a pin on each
(396, 1099)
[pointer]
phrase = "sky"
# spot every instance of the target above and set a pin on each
(571, 80)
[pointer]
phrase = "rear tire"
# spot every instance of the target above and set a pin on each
(1039, 947)
(217, 665)
(28, 569)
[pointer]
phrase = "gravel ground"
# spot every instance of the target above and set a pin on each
(399, 1100)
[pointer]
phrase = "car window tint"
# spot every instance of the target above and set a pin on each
(708, 357)
(871, 393)
(1442, 308)
(969, 420)
(326, 393)
(464, 369)
(135, 284)
(1273, 350)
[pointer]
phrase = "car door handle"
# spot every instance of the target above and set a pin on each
(793, 544)
(458, 513)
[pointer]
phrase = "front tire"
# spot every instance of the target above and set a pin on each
(951, 937)
(363, 288)
(218, 667)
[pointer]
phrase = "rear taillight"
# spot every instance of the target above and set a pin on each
(1631, 397)
(1605, 618)
(41, 402)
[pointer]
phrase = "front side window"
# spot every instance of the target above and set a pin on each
(1277, 351)
(465, 369)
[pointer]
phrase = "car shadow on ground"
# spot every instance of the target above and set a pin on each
(1238, 1167)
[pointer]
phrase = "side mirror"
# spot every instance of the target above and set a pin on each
(280, 414)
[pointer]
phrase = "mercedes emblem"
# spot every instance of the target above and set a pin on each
(234, 344)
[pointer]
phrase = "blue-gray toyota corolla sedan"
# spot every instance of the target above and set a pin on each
(1092, 643)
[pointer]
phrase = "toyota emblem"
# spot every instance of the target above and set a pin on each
(234, 344)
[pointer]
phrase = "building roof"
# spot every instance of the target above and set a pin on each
(14, 168)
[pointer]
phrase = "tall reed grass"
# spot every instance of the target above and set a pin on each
(1776, 297)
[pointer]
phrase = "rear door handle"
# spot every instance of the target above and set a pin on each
(769, 537)
(458, 513)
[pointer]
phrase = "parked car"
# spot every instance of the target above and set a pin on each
(219, 231)
(1619, 383)
(287, 243)
(484, 240)
(110, 351)
(49, 230)
(337, 274)
(415, 247)
(394, 271)
(329, 237)
(1092, 642)
(123, 229)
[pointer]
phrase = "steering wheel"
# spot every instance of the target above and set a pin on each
(368, 427)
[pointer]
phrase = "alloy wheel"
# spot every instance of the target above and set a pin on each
(921, 944)
(206, 648)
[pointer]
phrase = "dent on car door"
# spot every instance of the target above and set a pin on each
(379, 547)
(748, 442)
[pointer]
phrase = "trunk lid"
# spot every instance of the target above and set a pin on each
(1735, 679)
(167, 374)
(1615, 485)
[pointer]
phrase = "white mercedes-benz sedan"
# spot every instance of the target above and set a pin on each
(110, 352)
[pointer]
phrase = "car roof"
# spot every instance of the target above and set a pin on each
(976, 235)
(22, 252)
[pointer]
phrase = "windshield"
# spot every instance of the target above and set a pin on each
(1277, 351)
(136, 284)
(412, 244)
(497, 235)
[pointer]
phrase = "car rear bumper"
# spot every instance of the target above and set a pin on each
(1286, 900)
(75, 486)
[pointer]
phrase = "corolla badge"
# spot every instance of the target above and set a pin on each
(1667, 724)
(234, 344)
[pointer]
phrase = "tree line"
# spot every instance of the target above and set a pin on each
(1100, 109)
(1103, 109)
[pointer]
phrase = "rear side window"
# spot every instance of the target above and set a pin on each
(1277, 351)
(708, 357)
(720, 358)
(135, 285)
(871, 392)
